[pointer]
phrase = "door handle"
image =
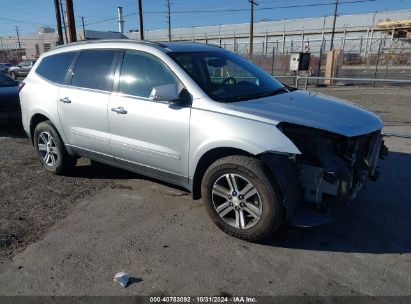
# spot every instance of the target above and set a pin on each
(119, 110)
(65, 100)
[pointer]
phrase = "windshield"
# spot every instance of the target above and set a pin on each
(227, 77)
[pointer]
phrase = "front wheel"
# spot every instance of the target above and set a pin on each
(13, 75)
(241, 199)
(50, 149)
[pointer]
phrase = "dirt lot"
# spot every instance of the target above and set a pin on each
(72, 233)
(32, 200)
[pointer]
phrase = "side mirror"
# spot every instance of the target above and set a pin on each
(166, 92)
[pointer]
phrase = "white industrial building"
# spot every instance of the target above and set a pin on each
(358, 33)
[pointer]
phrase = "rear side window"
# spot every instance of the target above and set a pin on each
(93, 69)
(54, 67)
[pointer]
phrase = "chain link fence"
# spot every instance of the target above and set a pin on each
(370, 53)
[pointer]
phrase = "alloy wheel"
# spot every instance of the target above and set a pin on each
(48, 150)
(237, 201)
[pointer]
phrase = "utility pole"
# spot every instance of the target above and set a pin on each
(140, 13)
(333, 31)
(18, 41)
(321, 48)
(71, 23)
(64, 20)
(84, 29)
(169, 20)
(58, 20)
(252, 3)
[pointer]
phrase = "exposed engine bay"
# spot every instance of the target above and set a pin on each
(331, 165)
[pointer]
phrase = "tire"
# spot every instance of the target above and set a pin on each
(255, 196)
(13, 75)
(50, 149)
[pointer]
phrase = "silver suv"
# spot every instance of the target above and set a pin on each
(258, 153)
(22, 69)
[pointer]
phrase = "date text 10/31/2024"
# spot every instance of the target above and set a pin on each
(220, 299)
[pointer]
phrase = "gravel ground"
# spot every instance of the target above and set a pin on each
(31, 200)
(168, 245)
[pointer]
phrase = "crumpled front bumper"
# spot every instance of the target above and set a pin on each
(338, 177)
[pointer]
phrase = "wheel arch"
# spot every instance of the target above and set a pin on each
(34, 121)
(278, 167)
(216, 153)
(39, 117)
(206, 160)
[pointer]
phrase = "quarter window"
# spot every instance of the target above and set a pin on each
(54, 67)
(93, 70)
(141, 72)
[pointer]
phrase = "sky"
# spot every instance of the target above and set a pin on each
(28, 15)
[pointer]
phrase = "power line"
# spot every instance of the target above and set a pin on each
(236, 10)
(262, 8)
(22, 21)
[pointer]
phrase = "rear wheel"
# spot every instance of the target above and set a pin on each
(241, 199)
(50, 149)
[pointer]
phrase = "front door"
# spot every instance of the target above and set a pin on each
(82, 104)
(152, 137)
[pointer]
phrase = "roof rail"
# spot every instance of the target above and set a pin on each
(209, 44)
(190, 42)
(110, 41)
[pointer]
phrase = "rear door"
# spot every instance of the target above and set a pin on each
(82, 103)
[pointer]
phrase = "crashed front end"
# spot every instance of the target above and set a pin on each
(333, 166)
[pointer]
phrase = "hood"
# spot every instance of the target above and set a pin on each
(312, 110)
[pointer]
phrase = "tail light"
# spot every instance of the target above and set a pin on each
(21, 85)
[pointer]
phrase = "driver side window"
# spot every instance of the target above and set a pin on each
(141, 72)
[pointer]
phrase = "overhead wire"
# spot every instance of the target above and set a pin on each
(234, 10)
